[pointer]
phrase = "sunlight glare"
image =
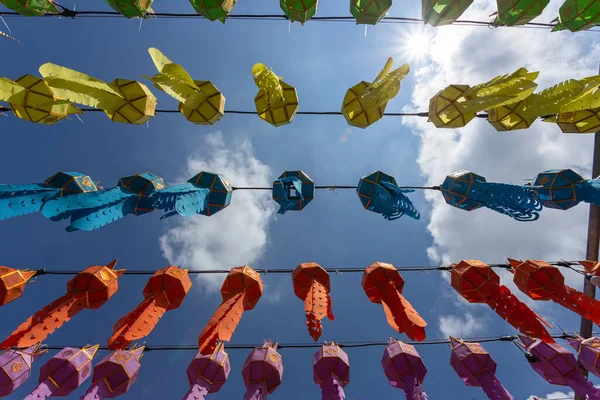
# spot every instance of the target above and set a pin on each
(413, 44)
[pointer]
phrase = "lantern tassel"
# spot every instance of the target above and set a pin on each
(42, 391)
(136, 324)
(393, 202)
(222, 324)
(198, 391)
(256, 391)
(493, 388)
(412, 388)
(401, 315)
(579, 303)
(583, 387)
(332, 389)
(317, 305)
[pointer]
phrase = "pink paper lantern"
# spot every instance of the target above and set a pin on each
(588, 352)
(64, 372)
(404, 369)
(15, 367)
(207, 373)
(262, 372)
(331, 371)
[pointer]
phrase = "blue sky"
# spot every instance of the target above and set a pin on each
(322, 60)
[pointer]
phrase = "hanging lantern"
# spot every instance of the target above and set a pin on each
(132, 8)
(588, 353)
(557, 188)
(369, 11)
(331, 371)
(299, 10)
(443, 12)
(577, 15)
(15, 367)
(276, 102)
(12, 283)
(31, 8)
(583, 121)
(219, 196)
(293, 190)
(262, 371)
(404, 369)
(214, 9)
(379, 193)
(518, 12)
(311, 284)
(207, 373)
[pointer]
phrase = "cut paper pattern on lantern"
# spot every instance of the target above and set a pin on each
(31, 99)
(90, 288)
(31, 8)
(262, 371)
(583, 121)
(17, 200)
(122, 100)
(276, 101)
(542, 281)
(443, 12)
(365, 102)
(213, 9)
(518, 12)
(565, 188)
(557, 366)
(92, 211)
(456, 105)
(331, 371)
(207, 373)
(311, 284)
(115, 374)
(478, 283)
(299, 10)
(12, 283)
(64, 372)
(199, 101)
(378, 192)
(369, 11)
(577, 15)
(15, 367)
(404, 369)
(132, 8)
(588, 353)
(568, 96)
(476, 367)
(293, 190)
(165, 291)
(383, 285)
(241, 291)
(469, 191)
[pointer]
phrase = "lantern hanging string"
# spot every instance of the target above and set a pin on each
(279, 17)
(265, 271)
(341, 343)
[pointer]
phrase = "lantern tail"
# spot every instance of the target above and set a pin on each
(579, 303)
(412, 388)
(18, 200)
(401, 315)
(519, 203)
(329, 309)
(516, 313)
(392, 202)
(222, 324)
(588, 191)
(98, 391)
(500, 90)
(196, 392)
(331, 389)
(136, 325)
(582, 386)
(493, 388)
(44, 322)
(316, 306)
(256, 391)
(41, 391)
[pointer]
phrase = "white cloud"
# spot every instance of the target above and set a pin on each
(457, 326)
(469, 55)
(553, 396)
(234, 236)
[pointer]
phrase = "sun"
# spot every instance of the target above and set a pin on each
(413, 43)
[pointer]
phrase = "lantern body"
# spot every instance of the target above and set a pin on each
(305, 274)
(170, 285)
(132, 8)
(263, 366)
(118, 370)
(212, 369)
(281, 114)
(443, 12)
(457, 188)
(378, 274)
(470, 360)
(284, 192)
(329, 361)
(213, 9)
(582, 121)
(469, 277)
(15, 368)
(401, 360)
(220, 191)
(366, 188)
(556, 188)
(209, 111)
(31, 8)
(39, 104)
(554, 363)
(139, 104)
(71, 182)
(243, 280)
(367, 115)
(299, 10)
(444, 111)
(538, 279)
(68, 369)
(95, 285)
(578, 15)
(143, 185)
(12, 283)
(510, 117)
(588, 353)
(369, 11)
(518, 12)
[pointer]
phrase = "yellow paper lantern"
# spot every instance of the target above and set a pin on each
(139, 103)
(444, 111)
(582, 121)
(276, 101)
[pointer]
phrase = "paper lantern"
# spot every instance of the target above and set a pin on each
(443, 12)
(15, 367)
(311, 284)
(369, 11)
(213, 9)
(31, 8)
(518, 12)
(12, 283)
(262, 371)
(331, 371)
(557, 188)
(132, 8)
(276, 102)
(293, 190)
(577, 15)
(207, 373)
(299, 10)
(379, 193)
(404, 369)
(583, 121)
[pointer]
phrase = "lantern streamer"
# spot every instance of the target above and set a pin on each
(286, 202)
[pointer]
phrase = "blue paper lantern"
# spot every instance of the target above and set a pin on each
(457, 190)
(219, 196)
(293, 190)
(557, 188)
(144, 185)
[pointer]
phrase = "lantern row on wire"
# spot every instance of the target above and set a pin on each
(573, 15)
(75, 197)
(262, 371)
(243, 287)
(509, 99)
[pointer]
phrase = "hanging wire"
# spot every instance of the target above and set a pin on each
(347, 345)
(282, 17)
(562, 263)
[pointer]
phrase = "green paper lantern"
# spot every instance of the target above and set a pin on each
(369, 11)
(214, 9)
(443, 12)
(31, 8)
(299, 10)
(578, 15)
(518, 12)
(132, 8)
